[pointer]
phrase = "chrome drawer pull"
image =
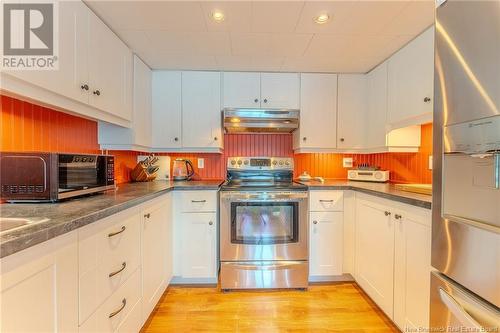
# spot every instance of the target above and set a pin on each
(198, 201)
(326, 200)
(114, 313)
(124, 264)
(117, 232)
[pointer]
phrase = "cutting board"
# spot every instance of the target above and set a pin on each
(415, 188)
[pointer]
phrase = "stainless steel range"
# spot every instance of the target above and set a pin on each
(263, 225)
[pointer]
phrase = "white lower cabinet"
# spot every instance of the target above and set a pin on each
(393, 258)
(195, 232)
(156, 253)
(39, 288)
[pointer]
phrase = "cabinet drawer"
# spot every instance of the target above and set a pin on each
(108, 255)
(326, 201)
(124, 304)
(198, 201)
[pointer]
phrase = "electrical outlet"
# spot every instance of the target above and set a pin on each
(201, 163)
(347, 162)
(430, 162)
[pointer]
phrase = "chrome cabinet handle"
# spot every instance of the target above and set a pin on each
(397, 217)
(342, 139)
(304, 139)
(114, 313)
(265, 100)
(322, 200)
(198, 201)
(124, 265)
(215, 138)
(427, 99)
(85, 87)
(315, 222)
(148, 215)
(117, 232)
(176, 139)
(256, 100)
(97, 92)
(387, 213)
(210, 223)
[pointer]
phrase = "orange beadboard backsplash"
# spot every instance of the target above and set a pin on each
(28, 127)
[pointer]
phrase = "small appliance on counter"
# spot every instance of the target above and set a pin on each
(145, 170)
(182, 169)
(367, 173)
(50, 177)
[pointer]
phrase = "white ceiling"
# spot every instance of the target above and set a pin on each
(266, 35)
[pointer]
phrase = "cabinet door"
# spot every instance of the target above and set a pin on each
(411, 81)
(199, 243)
(352, 110)
(39, 288)
(280, 90)
(110, 70)
(318, 112)
(241, 90)
(377, 107)
(201, 112)
(375, 252)
(412, 269)
(325, 243)
(167, 109)
(154, 255)
(72, 76)
(141, 121)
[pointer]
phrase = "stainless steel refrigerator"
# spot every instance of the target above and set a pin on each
(465, 286)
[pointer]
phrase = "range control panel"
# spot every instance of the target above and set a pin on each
(260, 163)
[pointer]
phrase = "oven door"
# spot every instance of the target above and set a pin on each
(263, 226)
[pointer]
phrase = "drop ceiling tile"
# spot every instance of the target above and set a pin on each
(142, 15)
(329, 46)
(275, 16)
(276, 44)
(249, 63)
(136, 40)
(200, 43)
(413, 19)
(237, 15)
(159, 60)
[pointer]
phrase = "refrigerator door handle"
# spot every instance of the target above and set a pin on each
(458, 311)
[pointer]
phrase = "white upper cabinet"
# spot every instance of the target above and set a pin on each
(167, 109)
(318, 113)
(110, 75)
(377, 106)
(411, 82)
(201, 111)
(139, 136)
(261, 90)
(352, 110)
(280, 90)
(241, 90)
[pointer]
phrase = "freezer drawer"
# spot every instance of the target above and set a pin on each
(264, 274)
(455, 309)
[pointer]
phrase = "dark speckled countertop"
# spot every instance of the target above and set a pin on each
(75, 213)
(383, 190)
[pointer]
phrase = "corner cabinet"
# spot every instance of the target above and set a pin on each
(260, 90)
(138, 136)
(94, 78)
(392, 258)
(318, 114)
(411, 82)
(39, 288)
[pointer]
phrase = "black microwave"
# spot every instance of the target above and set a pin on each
(50, 177)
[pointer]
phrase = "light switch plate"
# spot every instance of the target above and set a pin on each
(347, 162)
(430, 162)
(201, 163)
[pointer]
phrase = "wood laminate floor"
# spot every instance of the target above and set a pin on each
(340, 307)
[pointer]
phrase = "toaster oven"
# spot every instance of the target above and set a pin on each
(50, 177)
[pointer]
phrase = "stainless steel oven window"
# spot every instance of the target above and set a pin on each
(264, 223)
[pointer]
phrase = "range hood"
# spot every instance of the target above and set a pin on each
(242, 120)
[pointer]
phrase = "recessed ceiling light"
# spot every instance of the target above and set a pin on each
(218, 16)
(322, 18)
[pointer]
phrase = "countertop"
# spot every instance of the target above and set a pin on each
(384, 190)
(75, 213)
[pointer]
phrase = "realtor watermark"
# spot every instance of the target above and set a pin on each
(451, 329)
(30, 35)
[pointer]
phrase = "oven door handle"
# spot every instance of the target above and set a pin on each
(272, 197)
(270, 267)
